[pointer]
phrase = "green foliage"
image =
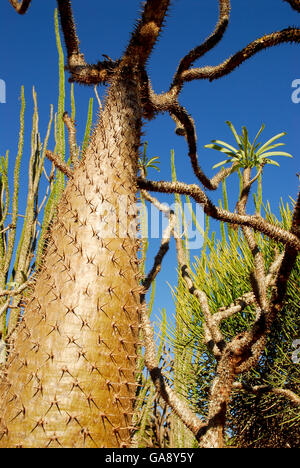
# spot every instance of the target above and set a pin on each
(145, 162)
(88, 126)
(18, 239)
(222, 272)
(248, 154)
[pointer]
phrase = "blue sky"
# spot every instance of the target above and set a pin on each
(257, 92)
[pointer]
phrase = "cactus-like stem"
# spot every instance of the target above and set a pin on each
(70, 378)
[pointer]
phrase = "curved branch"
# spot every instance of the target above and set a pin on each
(213, 337)
(287, 263)
(257, 223)
(289, 394)
(80, 71)
(70, 35)
(210, 43)
(258, 278)
(20, 7)
(17, 291)
(185, 126)
(294, 4)
(164, 247)
(270, 40)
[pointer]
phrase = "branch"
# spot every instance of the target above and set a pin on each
(289, 394)
(59, 164)
(212, 334)
(72, 139)
(4, 307)
(257, 223)
(248, 298)
(185, 126)
(147, 31)
(258, 276)
(17, 291)
(178, 405)
(287, 263)
(294, 4)
(20, 7)
(81, 72)
(237, 306)
(214, 72)
(75, 57)
(210, 43)
(248, 346)
(164, 247)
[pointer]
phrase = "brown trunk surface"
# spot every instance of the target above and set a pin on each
(70, 379)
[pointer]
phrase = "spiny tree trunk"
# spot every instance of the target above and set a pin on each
(71, 380)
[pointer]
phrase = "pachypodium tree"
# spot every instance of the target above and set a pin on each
(70, 378)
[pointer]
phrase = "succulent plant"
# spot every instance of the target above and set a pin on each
(248, 154)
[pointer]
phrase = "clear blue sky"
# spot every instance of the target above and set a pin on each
(257, 92)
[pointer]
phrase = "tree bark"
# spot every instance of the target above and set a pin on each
(70, 377)
(219, 396)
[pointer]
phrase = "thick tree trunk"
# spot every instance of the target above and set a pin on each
(70, 379)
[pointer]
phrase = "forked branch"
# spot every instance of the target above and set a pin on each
(81, 72)
(210, 43)
(288, 35)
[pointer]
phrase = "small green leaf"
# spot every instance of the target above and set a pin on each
(223, 143)
(277, 153)
(231, 126)
(221, 163)
(270, 161)
(274, 138)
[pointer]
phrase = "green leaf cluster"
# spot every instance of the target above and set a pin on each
(248, 154)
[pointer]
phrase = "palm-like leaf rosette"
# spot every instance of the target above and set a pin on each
(247, 154)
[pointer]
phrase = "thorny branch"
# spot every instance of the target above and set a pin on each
(295, 399)
(80, 71)
(257, 223)
(15, 292)
(164, 247)
(210, 43)
(294, 4)
(20, 7)
(59, 163)
(288, 35)
(147, 31)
